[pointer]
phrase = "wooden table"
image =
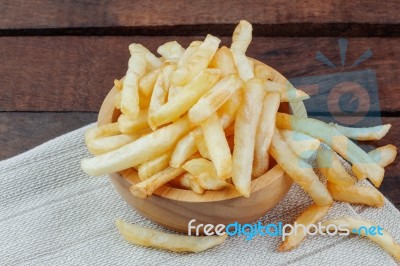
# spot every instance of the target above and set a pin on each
(59, 58)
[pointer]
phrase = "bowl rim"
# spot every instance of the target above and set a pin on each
(107, 114)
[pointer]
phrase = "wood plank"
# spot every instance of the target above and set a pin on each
(75, 14)
(22, 131)
(75, 73)
(17, 129)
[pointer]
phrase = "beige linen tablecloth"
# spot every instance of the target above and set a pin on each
(51, 213)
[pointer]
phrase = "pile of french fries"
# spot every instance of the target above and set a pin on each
(206, 118)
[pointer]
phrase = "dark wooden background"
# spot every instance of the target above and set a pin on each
(59, 58)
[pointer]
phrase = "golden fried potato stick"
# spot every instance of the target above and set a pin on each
(355, 225)
(188, 53)
(245, 134)
(101, 131)
(227, 112)
(223, 60)
(171, 51)
(205, 171)
(160, 92)
(265, 130)
(240, 42)
(200, 142)
(363, 165)
(130, 90)
(198, 62)
(217, 146)
(106, 144)
(332, 168)
(261, 71)
(311, 215)
(152, 61)
(214, 99)
(146, 83)
(384, 155)
(363, 133)
(188, 96)
(357, 194)
(147, 237)
(185, 148)
(142, 150)
(288, 92)
(303, 145)
(301, 172)
(154, 166)
(147, 187)
(188, 181)
(131, 126)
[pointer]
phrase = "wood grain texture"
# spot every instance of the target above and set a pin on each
(64, 14)
(75, 73)
(21, 131)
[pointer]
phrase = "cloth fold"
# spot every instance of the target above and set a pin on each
(51, 213)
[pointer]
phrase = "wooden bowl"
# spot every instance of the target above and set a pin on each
(174, 207)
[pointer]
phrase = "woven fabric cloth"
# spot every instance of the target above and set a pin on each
(51, 213)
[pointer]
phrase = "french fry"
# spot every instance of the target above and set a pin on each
(205, 171)
(151, 59)
(188, 181)
(195, 184)
(146, 83)
(245, 133)
(217, 146)
(130, 90)
(357, 194)
(188, 53)
(171, 51)
(240, 42)
(384, 155)
(147, 187)
(214, 99)
(197, 62)
(173, 91)
(355, 225)
(142, 150)
(261, 71)
(287, 91)
(311, 215)
(201, 145)
(300, 171)
(303, 145)
(147, 237)
(364, 133)
(223, 60)
(244, 65)
(265, 130)
(154, 166)
(160, 92)
(332, 168)
(227, 112)
(101, 131)
(363, 165)
(130, 126)
(189, 95)
(185, 148)
(106, 144)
